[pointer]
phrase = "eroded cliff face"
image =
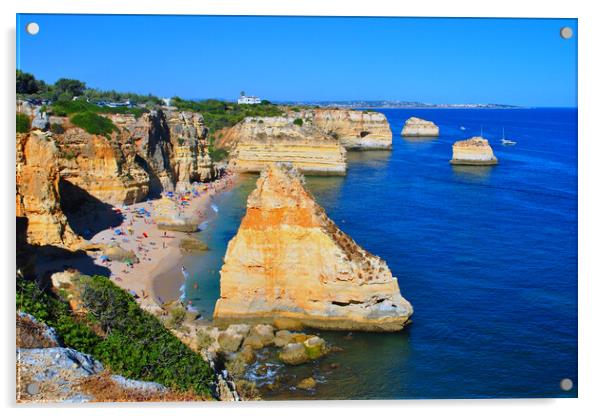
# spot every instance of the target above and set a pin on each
(171, 146)
(473, 151)
(357, 130)
(37, 192)
(159, 151)
(190, 160)
(260, 141)
(289, 260)
(103, 167)
(257, 141)
(77, 173)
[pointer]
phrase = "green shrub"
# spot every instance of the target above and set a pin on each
(177, 315)
(56, 313)
(93, 123)
(220, 114)
(134, 343)
(22, 123)
(298, 122)
(217, 154)
(137, 344)
(203, 340)
(65, 108)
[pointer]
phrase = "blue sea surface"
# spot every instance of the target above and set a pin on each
(486, 255)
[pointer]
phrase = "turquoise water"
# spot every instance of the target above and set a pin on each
(486, 255)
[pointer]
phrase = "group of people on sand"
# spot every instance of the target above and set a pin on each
(142, 243)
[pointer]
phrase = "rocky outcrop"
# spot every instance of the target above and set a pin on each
(171, 146)
(473, 151)
(40, 120)
(37, 192)
(106, 168)
(417, 127)
(306, 138)
(60, 375)
(191, 161)
(355, 129)
(264, 140)
(289, 260)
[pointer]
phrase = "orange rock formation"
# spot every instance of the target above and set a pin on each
(289, 260)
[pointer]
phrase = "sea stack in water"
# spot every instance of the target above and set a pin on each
(473, 151)
(417, 127)
(290, 262)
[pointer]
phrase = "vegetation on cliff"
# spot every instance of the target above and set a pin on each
(23, 123)
(218, 115)
(93, 123)
(65, 89)
(118, 333)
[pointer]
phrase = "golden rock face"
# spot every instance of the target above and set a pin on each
(289, 260)
(363, 130)
(37, 191)
(261, 141)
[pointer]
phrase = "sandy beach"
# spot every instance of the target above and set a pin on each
(157, 250)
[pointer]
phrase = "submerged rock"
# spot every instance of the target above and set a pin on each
(293, 354)
(192, 245)
(417, 127)
(307, 383)
(473, 151)
(289, 260)
(315, 347)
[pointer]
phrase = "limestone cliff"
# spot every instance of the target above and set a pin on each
(473, 151)
(417, 127)
(260, 141)
(358, 130)
(190, 160)
(171, 145)
(37, 194)
(104, 167)
(257, 141)
(288, 260)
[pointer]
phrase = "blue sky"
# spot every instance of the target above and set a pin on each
(509, 61)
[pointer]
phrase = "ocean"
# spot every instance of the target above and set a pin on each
(486, 255)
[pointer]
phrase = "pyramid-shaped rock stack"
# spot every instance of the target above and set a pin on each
(290, 263)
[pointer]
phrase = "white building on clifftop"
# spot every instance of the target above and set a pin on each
(248, 99)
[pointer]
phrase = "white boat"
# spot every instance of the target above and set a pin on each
(462, 128)
(505, 141)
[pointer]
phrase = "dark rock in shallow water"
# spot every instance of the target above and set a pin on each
(193, 245)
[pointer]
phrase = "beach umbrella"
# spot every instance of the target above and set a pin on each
(104, 258)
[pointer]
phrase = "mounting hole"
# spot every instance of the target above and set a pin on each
(566, 384)
(566, 32)
(32, 28)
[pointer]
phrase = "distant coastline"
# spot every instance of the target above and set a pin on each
(395, 104)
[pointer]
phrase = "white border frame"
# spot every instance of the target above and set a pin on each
(590, 270)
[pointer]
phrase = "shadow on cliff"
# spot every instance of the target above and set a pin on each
(86, 214)
(41, 262)
(155, 187)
